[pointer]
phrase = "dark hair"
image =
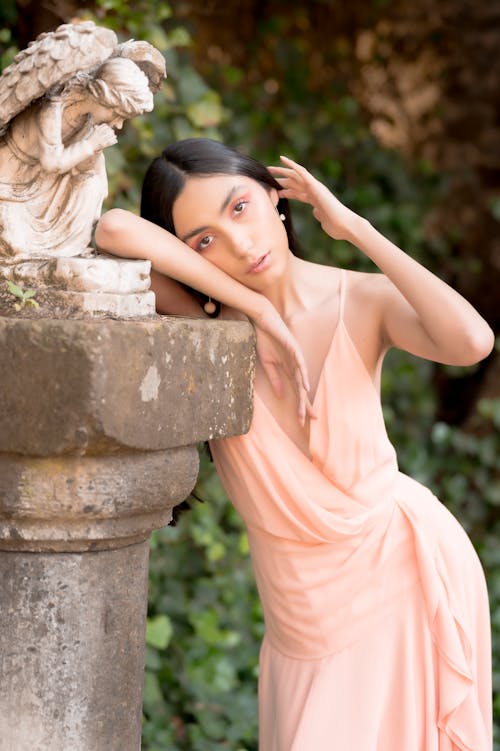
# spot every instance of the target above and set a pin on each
(167, 175)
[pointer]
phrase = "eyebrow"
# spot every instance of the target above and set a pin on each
(225, 203)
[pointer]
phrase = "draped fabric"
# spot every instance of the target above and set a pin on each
(376, 611)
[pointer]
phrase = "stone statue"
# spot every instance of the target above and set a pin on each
(61, 101)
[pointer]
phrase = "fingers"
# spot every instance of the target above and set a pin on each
(296, 182)
(302, 387)
(292, 167)
(305, 407)
(301, 372)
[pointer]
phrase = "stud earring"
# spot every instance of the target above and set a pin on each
(209, 307)
(282, 217)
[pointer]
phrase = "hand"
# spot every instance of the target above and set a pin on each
(297, 183)
(102, 136)
(280, 355)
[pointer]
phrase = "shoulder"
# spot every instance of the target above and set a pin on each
(368, 289)
(372, 289)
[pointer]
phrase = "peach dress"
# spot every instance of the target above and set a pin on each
(375, 605)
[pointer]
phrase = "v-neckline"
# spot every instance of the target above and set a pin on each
(313, 401)
(340, 319)
(340, 324)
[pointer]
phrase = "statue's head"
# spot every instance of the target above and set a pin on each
(120, 85)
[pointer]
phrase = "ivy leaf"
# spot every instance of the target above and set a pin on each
(159, 631)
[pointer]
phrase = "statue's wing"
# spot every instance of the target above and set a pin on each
(147, 57)
(50, 60)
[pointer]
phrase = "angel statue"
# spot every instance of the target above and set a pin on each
(62, 100)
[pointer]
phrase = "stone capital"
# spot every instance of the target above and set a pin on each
(86, 386)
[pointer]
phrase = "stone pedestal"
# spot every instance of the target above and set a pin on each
(98, 426)
(90, 285)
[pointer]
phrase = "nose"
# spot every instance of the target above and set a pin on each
(242, 243)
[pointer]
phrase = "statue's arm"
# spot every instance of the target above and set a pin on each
(53, 155)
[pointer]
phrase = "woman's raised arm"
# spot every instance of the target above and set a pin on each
(418, 311)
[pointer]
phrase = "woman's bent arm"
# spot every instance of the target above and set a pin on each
(438, 323)
(125, 234)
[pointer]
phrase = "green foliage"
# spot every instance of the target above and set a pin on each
(25, 296)
(8, 48)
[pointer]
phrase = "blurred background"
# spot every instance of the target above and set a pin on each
(395, 104)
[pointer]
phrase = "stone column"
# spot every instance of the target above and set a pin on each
(99, 421)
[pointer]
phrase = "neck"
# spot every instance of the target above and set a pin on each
(287, 293)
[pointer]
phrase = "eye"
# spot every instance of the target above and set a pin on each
(204, 242)
(240, 207)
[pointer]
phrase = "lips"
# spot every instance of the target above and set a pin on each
(260, 264)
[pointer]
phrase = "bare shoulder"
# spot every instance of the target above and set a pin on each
(362, 286)
(368, 286)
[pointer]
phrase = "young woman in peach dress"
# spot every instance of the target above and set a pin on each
(376, 610)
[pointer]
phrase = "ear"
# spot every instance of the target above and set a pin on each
(274, 196)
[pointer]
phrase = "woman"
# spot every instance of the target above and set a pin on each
(377, 628)
(53, 177)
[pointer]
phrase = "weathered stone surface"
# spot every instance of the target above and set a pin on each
(82, 274)
(72, 503)
(95, 286)
(82, 386)
(72, 650)
(98, 421)
(58, 303)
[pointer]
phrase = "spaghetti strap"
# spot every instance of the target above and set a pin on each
(342, 285)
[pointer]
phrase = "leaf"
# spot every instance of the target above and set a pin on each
(243, 545)
(207, 112)
(179, 37)
(15, 290)
(216, 551)
(152, 690)
(159, 631)
(29, 293)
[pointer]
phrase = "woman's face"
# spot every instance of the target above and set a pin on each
(232, 221)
